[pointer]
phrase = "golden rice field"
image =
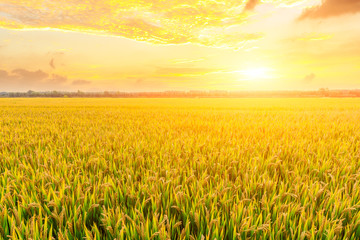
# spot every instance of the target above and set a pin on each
(179, 169)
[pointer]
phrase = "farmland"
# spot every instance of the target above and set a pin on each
(179, 168)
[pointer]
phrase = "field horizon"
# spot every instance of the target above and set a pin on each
(320, 93)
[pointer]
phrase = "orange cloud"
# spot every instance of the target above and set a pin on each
(57, 79)
(26, 75)
(81, 82)
(332, 8)
(24, 79)
(251, 4)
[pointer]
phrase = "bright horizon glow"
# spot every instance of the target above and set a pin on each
(257, 73)
(158, 46)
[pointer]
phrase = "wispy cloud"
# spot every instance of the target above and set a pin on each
(309, 78)
(315, 37)
(154, 21)
(52, 63)
(186, 60)
(81, 82)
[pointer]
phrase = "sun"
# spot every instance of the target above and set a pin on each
(256, 73)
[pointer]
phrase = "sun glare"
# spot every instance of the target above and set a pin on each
(256, 73)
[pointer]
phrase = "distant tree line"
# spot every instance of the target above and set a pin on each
(322, 92)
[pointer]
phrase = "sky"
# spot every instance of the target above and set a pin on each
(161, 45)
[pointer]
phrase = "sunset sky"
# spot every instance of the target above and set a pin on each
(158, 45)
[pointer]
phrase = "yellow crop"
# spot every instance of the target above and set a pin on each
(179, 169)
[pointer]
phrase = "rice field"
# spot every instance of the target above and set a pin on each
(179, 169)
